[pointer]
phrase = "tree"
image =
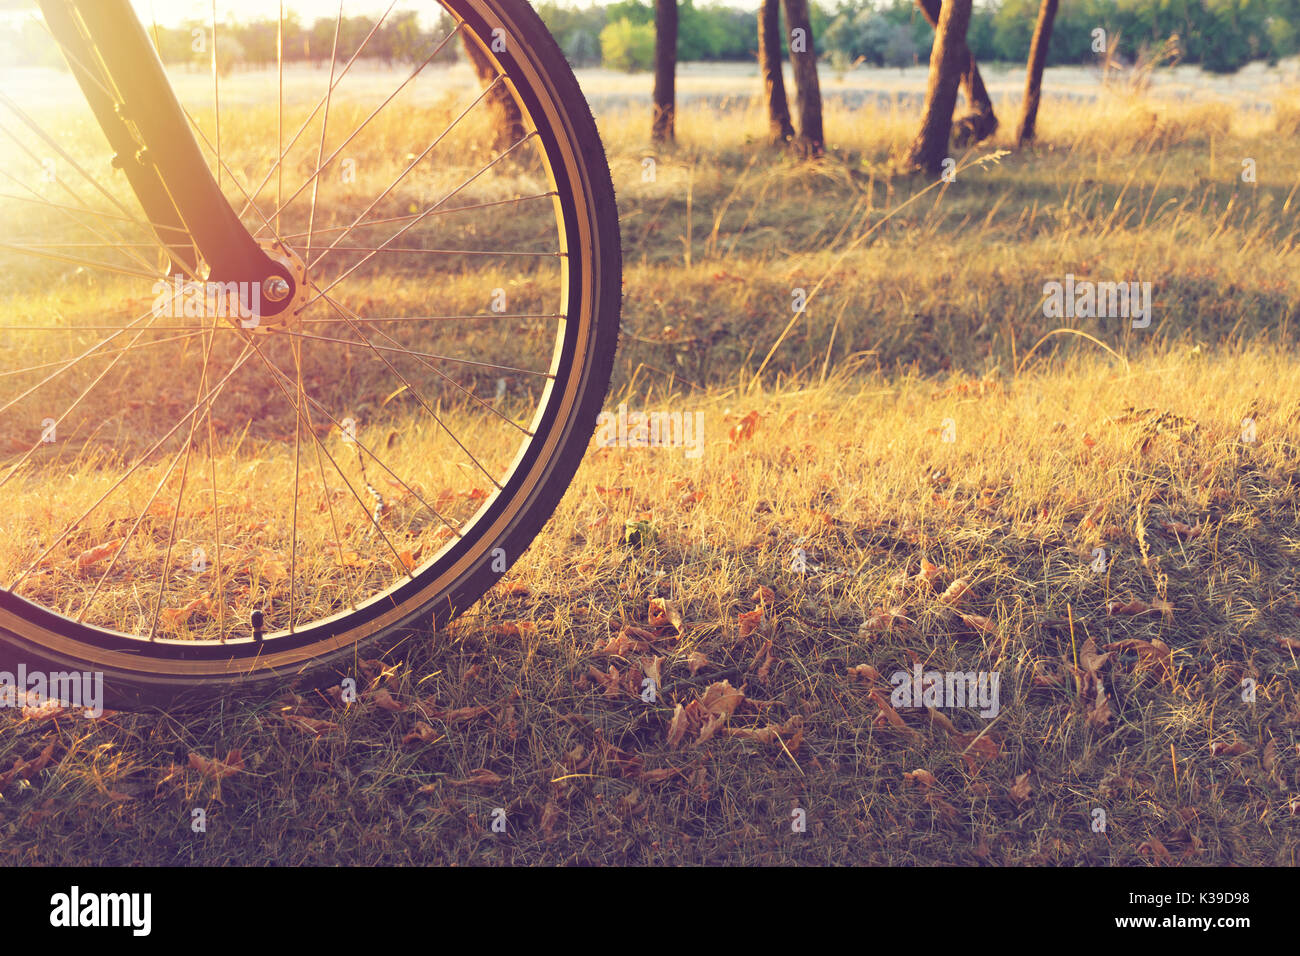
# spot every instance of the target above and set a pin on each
(510, 124)
(980, 122)
(627, 46)
(808, 94)
(769, 66)
(663, 129)
(948, 60)
(1034, 77)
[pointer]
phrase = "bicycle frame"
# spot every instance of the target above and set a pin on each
(126, 85)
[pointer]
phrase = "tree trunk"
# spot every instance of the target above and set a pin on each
(1034, 79)
(808, 93)
(665, 94)
(769, 66)
(510, 124)
(948, 58)
(980, 122)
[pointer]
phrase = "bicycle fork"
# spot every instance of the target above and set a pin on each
(123, 79)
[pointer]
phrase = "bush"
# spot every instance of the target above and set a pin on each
(628, 46)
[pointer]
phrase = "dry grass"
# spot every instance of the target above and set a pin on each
(841, 512)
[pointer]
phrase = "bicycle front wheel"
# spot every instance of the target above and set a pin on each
(199, 500)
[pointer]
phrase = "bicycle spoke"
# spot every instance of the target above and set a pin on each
(118, 483)
(415, 394)
(364, 123)
(307, 122)
(397, 235)
(428, 355)
(162, 483)
(402, 175)
(468, 207)
(37, 368)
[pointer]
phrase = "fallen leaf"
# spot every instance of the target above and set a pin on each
(384, 700)
(1019, 791)
(749, 621)
(98, 553)
(721, 699)
(743, 430)
(1234, 749)
(479, 778)
(1090, 659)
(678, 727)
(956, 592)
(922, 778)
(218, 769)
(309, 725)
(695, 661)
(1100, 712)
(666, 614)
(1156, 850)
(421, 733)
(659, 775)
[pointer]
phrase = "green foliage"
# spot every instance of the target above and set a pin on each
(629, 46)
(1220, 35)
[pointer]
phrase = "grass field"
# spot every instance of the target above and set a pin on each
(916, 468)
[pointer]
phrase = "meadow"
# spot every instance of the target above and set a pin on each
(905, 464)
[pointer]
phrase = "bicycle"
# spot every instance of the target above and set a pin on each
(288, 377)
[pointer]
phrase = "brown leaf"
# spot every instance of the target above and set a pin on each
(864, 672)
(460, 714)
(749, 621)
(1019, 791)
(1100, 712)
(479, 778)
(309, 725)
(928, 572)
(659, 775)
(610, 680)
(884, 621)
(764, 596)
(550, 816)
(956, 592)
(98, 553)
(176, 616)
(1180, 530)
(695, 661)
(666, 614)
(922, 778)
(384, 700)
(217, 769)
(1269, 757)
(1154, 654)
(1090, 659)
(422, 733)
(721, 699)
(1156, 850)
(940, 718)
(977, 622)
(1234, 749)
(678, 727)
(744, 429)
(1137, 606)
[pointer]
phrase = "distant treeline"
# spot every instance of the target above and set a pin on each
(1220, 35)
